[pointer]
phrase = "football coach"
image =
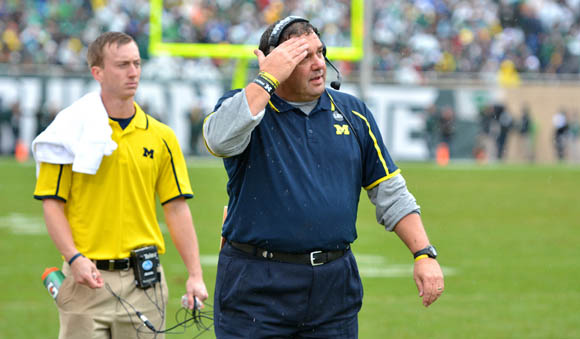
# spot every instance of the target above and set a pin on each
(297, 155)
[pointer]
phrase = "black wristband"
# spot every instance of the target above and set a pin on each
(265, 84)
(74, 257)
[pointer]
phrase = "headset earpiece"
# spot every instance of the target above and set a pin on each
(274, 39)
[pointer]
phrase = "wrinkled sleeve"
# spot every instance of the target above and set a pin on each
(393, 201)
(228, 129)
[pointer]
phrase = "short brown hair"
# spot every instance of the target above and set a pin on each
(95, 52)
(295, 29)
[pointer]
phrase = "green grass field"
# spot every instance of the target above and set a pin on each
(508, 240)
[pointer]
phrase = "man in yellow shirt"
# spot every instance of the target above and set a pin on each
(96, 221)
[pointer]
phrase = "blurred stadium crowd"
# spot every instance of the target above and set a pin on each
(536, 36)
(409, 39)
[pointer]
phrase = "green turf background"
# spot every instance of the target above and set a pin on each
(508, 239)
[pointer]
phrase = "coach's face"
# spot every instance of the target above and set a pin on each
(307, 81)
(119, 76)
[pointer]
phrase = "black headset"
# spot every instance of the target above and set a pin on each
(273, 42)
(279, 28)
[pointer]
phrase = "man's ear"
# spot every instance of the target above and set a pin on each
(97, 72)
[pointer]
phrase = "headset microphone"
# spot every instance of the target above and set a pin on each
(336, 83)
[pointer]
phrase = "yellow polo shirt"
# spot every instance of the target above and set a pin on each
(113, 211)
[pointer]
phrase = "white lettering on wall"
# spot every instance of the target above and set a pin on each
(398, 113)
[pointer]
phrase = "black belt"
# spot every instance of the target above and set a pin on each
(313, 258)
(113, 264)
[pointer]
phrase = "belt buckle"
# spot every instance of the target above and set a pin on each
(127, 262)
(111, 264)
(312, 258)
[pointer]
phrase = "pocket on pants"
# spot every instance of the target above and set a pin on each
(231, 324)
(66, 291)
(77, 297)
(228, 322)
(354, 288)
(223, 265)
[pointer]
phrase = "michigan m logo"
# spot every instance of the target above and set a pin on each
(341, 129)
(147, 153)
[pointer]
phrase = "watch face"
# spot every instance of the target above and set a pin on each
(430, 251)
(433, 251)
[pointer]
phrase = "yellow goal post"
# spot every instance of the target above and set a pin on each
(244, 53)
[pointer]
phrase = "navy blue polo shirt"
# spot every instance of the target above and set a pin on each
(296, 186)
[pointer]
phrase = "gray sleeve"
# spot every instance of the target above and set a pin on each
(393, 201)
(227, 131)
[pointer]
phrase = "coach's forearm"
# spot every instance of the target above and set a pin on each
(411, 231)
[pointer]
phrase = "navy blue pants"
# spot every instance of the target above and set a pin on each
(260, 298)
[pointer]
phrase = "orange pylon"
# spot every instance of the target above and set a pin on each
(442, 154)
(20, 151)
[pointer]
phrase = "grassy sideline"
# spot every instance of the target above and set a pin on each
(507, 236)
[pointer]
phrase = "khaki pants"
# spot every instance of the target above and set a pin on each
(95, 313)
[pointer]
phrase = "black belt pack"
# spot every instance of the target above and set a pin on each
(145, 261)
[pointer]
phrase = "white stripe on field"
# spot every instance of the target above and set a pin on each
(18, 223)
(369, 265)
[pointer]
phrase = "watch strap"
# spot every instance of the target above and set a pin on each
(428, 251)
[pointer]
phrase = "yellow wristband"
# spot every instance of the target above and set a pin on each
(270, 77)
(422, 256)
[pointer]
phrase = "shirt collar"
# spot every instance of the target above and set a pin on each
(280, 105)
(141, 119)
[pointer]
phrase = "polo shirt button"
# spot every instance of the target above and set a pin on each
(310, 131)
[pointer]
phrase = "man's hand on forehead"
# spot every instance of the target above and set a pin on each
(283, 59)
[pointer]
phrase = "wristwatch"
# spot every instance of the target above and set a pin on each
(429, 251)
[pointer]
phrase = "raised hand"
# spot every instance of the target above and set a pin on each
(283, 59)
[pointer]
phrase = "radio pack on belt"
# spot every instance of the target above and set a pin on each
(145, 261)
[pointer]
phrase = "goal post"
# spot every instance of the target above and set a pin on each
(244, 53)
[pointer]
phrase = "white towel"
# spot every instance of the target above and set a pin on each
(80, 135)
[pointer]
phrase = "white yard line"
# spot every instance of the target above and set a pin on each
(370, 265)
